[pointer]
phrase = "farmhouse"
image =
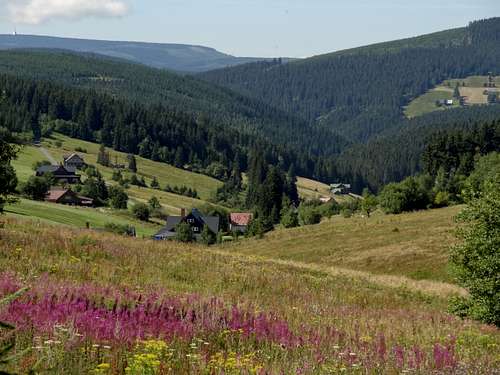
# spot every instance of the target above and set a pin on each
(196, 221)
(239, 222)
(340, 189)
(67, 196)
(60, 173)
(74, 161)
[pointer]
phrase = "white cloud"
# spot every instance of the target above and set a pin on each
(38, 11)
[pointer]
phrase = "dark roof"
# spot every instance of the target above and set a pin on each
(73, 156)
(55, 168)
(172, 221)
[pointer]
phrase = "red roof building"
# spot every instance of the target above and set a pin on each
(67, 196)
(239, 222)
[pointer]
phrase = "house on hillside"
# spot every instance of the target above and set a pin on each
(239, 222)
(196, 221)
(74, 161)
(61, 174)
(67, 196)
(340, 189)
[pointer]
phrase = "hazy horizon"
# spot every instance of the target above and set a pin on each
(254, 28)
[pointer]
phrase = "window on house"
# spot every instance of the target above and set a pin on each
(190, 221)
(196, 229)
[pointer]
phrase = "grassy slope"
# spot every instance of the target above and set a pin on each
(407, 313)
(77, 216)
(426, 103)
(413, 245)
(166, 174)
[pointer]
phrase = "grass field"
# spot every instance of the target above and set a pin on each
(413, 245)
(473, 90)
(166, 174)
(77, 216)
(303, 312)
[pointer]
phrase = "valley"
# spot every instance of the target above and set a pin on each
(170, 209)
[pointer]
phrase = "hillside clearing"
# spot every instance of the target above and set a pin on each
(58, 214)
(472, 88)
(413, 245)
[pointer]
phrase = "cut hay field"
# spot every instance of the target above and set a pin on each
(239, 309)
(471, 87)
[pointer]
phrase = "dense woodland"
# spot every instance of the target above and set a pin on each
(154, 131)
(361, 94)
(336, 117)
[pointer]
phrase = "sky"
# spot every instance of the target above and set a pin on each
(258, 28)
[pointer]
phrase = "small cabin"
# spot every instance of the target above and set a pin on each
(67, 196)
(239, 222)
(74, 161)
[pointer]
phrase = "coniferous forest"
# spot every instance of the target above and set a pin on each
(336, 117)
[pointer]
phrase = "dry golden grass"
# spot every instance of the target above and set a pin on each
(317, 294)
(413, 245)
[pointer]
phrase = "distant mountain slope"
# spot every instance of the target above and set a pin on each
(178, 57)
(201, 100)
(362, 92)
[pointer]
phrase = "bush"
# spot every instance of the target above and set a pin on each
(183, 233)
(207, 237)
(290, 218)
(476, 260)
(141, 211)
(408, 195)
(36, 188)
(309, 215)
(118, 198)
(121, 229)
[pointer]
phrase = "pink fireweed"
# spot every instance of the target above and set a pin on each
(124, 317)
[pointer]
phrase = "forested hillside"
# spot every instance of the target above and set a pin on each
(177, 57)
(361, 94)
(153, 86)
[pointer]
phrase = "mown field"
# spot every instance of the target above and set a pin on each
(245, 308)
(472, 87)
(58, 214)
(414, 245)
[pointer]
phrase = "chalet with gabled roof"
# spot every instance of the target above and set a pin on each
(67, 196)
(74, 161)
(61, 174)
(196, 221)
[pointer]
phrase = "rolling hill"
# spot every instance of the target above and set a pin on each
(274, 310)
(176, 57)
(235, 119)
(362, 93)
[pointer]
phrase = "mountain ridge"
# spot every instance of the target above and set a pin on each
(172, 56)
